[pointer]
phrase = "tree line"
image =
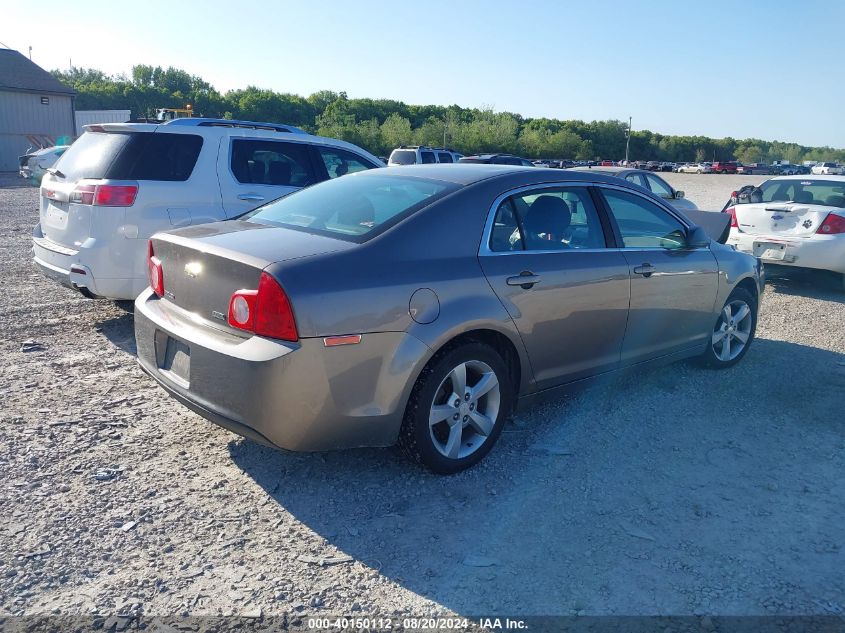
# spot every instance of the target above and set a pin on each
(380, 125)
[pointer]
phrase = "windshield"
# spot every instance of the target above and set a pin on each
(828, 193)
(403, 157)
(353, 207)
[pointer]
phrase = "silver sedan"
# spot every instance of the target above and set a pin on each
(422, 305)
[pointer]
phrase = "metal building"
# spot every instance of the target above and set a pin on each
(36, 109)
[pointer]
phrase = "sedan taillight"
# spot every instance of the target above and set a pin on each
(833, 224)
(155, 270)
(266, 311)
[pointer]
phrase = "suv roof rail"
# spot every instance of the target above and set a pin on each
(250, 125)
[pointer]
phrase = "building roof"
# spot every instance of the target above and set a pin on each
(19, 73)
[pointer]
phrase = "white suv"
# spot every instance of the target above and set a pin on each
(422, 155)
(121, 182)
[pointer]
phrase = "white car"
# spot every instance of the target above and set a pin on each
(34, 164)
(828, 169)
(695, 168)
(421, 155)
(792, 221)
(121, 182)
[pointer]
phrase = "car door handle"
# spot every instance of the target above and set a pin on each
(646, 270)
(250, 197)
(526, 280)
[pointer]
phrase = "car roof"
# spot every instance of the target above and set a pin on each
(833, 177)
(470, 173)
(613, 171)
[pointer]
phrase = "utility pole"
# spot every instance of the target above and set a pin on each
(627, 140)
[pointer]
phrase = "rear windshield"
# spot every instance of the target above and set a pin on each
(354, 208)
(828, 193)
(131, 156)
(403, 157)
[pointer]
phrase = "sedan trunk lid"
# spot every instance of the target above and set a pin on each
(790, 219)
(204, 265)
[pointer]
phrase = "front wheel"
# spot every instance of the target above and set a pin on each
(733, 332)
(457, 408)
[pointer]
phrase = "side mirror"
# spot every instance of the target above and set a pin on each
(679, 195)
(697, 238)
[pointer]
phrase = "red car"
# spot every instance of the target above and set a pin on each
(728, 167)
(607, 163)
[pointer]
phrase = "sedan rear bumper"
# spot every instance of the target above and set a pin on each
(821, 252)
(300, 396)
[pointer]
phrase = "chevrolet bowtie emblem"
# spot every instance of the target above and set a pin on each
(192, 269)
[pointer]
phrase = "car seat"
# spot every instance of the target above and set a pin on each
(549, 217)
(279, 173)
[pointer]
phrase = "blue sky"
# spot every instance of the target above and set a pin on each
(766, 69)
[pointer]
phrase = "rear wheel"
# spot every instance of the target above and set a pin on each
(698, 171)
(734, 331)
(457, 408)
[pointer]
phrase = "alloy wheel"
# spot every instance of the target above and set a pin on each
(465, 409)
(733, 329)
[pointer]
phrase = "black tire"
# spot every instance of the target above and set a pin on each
(415, 438)
(710, 358)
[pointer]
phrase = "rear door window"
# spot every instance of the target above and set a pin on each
(548, 220)
(444, 157)
(272, 163)
(427, 157)
(339, 162)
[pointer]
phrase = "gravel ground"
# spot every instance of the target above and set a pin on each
(676, 491)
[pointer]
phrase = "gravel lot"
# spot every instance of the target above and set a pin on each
(677, 491)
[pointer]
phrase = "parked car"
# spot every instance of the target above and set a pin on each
(35, 163)
(723, 167)
(607, 163)
(421, 155)
(695, 168)
(497, 159)
(785, 169)
(754, 168)
(121, 182)
(652, 165)
(283, 326)
(648, 181)
(828, 169)
(667, 167)
(792, 221)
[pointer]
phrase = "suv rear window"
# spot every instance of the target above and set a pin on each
(352, 208)
(403, 157)
(131, 156)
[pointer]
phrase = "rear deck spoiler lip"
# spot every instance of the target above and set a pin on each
(717, 225)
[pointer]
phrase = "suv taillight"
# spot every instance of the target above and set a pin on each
(833, 224)
(732, 212)
(105, 195)
(155, 270)
(266, 311)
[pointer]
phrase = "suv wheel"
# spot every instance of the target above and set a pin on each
(457, 408)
